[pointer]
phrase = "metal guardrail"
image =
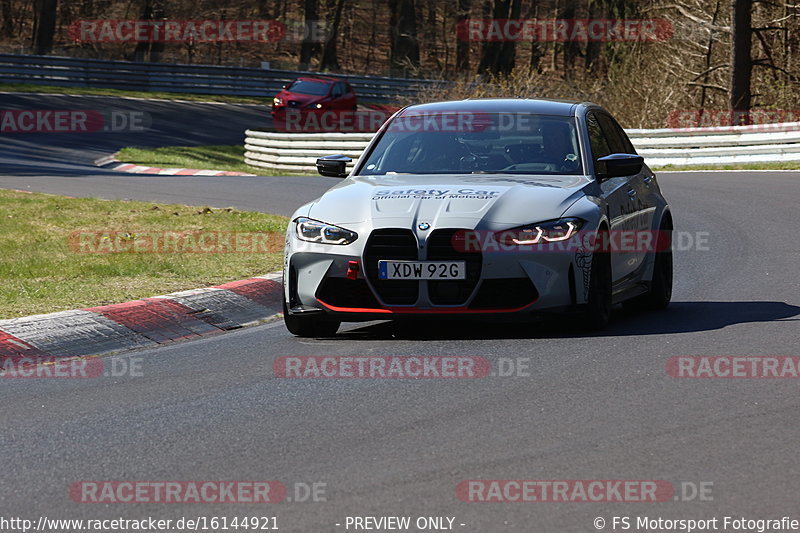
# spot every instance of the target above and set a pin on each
(760, 143)
(177, 78)
(298, 152)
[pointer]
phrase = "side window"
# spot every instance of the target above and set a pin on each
(598, 142)
(338, 90)
(617, 138)
(628, 144)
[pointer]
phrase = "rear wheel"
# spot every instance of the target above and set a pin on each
(309, 326)
(598, 311)
(660, 292)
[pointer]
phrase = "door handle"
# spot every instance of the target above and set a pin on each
(647, 180)
(631, 194)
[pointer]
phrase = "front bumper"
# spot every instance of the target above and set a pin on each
(508, 283)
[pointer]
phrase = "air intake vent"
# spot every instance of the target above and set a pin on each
(391, 244)
(440, 248)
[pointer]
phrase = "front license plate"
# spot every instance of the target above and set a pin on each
(422, 270)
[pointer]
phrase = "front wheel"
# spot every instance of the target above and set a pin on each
(660, 292)
(309, 326)
(599, 305)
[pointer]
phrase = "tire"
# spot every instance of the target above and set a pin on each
(598, 311)
(310, 326)
(660, 292)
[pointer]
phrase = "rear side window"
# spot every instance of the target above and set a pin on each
(597, 138)
(617, 138)
(597, 142)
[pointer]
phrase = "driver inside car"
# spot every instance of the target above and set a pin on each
(439, 152)
(558, 145)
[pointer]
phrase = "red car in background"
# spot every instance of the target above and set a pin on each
(315, 94)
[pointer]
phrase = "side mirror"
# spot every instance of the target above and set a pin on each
(621, 165)
(333, 166)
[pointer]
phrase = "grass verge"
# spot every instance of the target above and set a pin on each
(42, 272)
(220, 157)
(231, 158)
(784, 165)
(96, 91)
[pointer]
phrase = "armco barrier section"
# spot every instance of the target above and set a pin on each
(760, 143)
(298, 152)
(757, 143)
(177, 78)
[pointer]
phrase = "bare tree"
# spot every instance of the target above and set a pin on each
(741, 60)
(508, 49)
(536, 46)
(7, 13)
(262, 7)
(404, 46)
(44, 26)
(597, 10)
(309, 48)
(430, 34)
(330, 57)
(462, 40)
(499, 57)
(708, 64)
(491, 50)
(150, 50)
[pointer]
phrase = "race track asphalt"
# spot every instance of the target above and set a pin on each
(62, 163)
(587, 406)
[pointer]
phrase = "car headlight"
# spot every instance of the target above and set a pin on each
(277, 101)
(315, 231)
(551, 231)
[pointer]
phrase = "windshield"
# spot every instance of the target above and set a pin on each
(316, 88)
(445, 143)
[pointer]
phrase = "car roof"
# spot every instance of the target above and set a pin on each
(323, 79)
(539, 106)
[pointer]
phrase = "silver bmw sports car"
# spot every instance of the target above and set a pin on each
(487, 207)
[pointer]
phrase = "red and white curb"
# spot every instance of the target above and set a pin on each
(142, 323)
(112, 163)
(139, 169)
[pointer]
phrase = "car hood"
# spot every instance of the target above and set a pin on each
(451, 200)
